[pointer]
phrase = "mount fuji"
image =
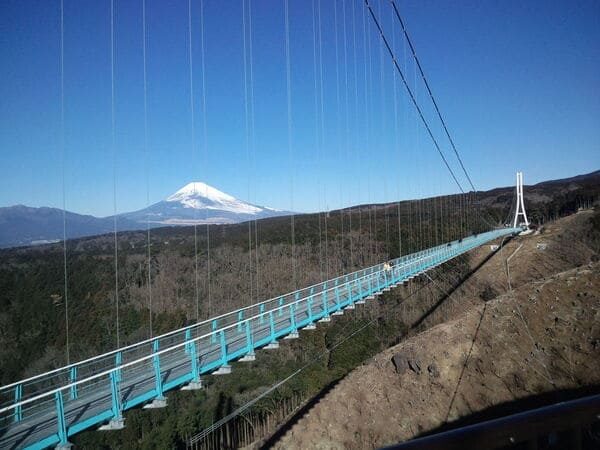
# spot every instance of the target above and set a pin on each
(199, 203)
(195, 203)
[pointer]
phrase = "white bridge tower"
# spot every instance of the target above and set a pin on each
(520, 211)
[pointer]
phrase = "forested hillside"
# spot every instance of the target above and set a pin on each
(203, 271)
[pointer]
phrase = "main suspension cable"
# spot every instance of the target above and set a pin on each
(437, 109)
(411, 95)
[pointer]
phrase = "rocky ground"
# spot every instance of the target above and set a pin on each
(491, 345)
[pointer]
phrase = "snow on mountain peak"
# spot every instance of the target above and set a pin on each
(198, 188)
(199, 195)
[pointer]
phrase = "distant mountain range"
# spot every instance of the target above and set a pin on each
(195, 203)
(199, 203)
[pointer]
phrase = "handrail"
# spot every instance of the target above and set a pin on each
(188, 327)
(512, 429)
(169, 349)
(373, 274)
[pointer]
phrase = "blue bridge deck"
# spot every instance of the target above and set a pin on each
(45, 410)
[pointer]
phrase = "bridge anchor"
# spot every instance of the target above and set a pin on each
(248, 357)
(272, 345)
(223, 370)
(193, 385)
(114, 424)
(310, 326)
(158, 402)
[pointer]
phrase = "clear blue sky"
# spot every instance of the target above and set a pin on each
(518, 83)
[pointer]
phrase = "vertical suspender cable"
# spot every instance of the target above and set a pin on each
(322, 142)
(147, 164)
(397, 142)
(114, 155)
(63, 160)
(368, 85)
(356, 121)
(419, 165)
(205, 154)
(289, 132)
(405, 121)
(338, 125)
(193, 150)
(382, 147)
(347, 129)
(253, 142)
(247, 143)
(317, 134)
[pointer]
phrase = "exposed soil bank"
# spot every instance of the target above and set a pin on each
(542, 336)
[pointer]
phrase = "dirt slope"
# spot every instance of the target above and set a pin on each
(542, 336)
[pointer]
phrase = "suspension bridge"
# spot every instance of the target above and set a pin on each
(47, 409)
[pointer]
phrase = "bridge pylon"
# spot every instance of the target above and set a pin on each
(520, 210)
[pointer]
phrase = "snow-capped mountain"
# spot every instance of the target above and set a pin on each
(195, 203)
(198, 203)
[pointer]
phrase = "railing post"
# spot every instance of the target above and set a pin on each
(157, 374)
(309, 302)
(213, 337)
(281, 304)
(188, 336)
(118, 362)
(324, 299)
(293, 319)
(261, 310)
(337, 298)
(240, 318)
(18, 395)
(117, 408)
(73, 378)
(349, 290)
(272, 325)
(60, 419)
(249, 343)
(360, 292)
(223, 347)
(191, 348)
